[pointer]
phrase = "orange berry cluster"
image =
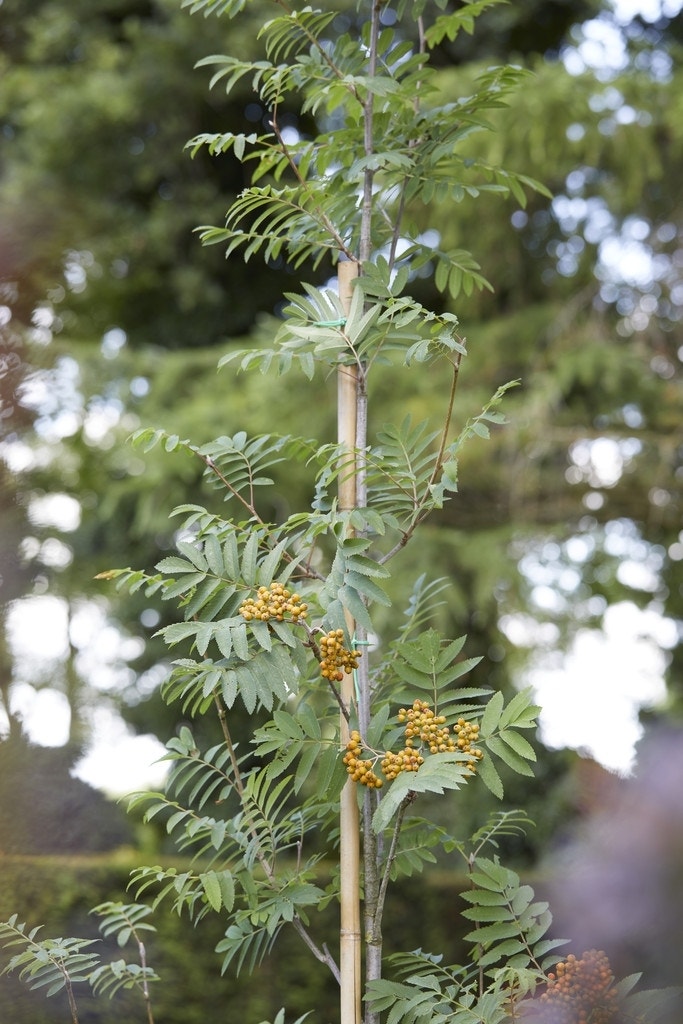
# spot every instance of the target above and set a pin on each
(581, 991)
(273, 602)
(335, 660)
(360, 770)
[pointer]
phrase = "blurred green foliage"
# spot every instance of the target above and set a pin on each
(60, 892)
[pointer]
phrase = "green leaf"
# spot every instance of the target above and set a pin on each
(520, 711)
(367, 588)
(518, 743)
(491, 716)
(249, 556)
(349, 598)
(194, 555)
(309, 721)
(484, 913)
(214, 554)
(490, 777)
(439, 773)
(288, 725)
(307, 761)
(212, 889)
(509, 756)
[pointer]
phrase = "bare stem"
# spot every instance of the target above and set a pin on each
(70, 997)
(320, 213)
(391, 856)
(323, 955)
(365, 245)
(145, 987)
(422, 511)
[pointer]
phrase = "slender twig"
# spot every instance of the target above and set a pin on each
(318, 212)
(249, 505)
(422, 512)
(449, 415)
(365, 243)
(70, 996)
(338, 73)
(323, 955)
(391, 855)
(145, 987)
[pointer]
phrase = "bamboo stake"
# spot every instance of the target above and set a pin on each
(349, 853)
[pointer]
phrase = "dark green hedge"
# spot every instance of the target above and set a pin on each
(59, 892)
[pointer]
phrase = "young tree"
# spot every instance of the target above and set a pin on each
(292, 615)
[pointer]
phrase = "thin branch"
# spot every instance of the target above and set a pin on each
(70, 996)
(338, 73)
(365, 244)
(305, 186)
(145, 987)
(449, 416)
(323, 955)
(210, 464)
(422, 512)
(391, 856)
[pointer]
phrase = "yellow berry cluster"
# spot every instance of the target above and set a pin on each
(424, 730)
(273, 602)
(468, 737)
(407, 760)
(335, 660)
(360, 770)
(423, 726)
(581, 991)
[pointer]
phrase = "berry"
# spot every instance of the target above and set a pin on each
(580, 991)
(273, 602)
(424, 731)
(360, 770)
(335, 660)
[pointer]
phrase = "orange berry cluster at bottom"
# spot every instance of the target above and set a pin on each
(580, 991)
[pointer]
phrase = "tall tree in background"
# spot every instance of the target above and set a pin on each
(124, 311)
